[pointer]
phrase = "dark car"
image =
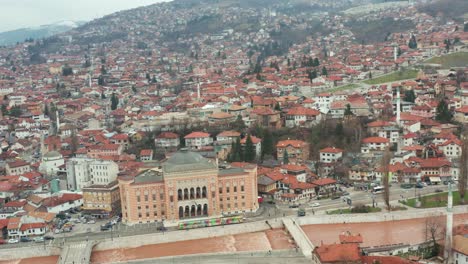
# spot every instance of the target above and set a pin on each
(294, 206)
(48, 238)
(438, 190)
(25, 239)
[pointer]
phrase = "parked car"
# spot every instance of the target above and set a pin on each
(419, 185)
(48, 238)
(2, 242)
(438, 190)
(315, 205)
(294, 206)
(38, 239)
(13, 241)
(91, 221)
(301, 212)
(25, 239)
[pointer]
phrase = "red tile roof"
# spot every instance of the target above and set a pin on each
(338, 253)
(375, 140)
(290, 142)
(197, 134)
(324, 181)
(331, 150)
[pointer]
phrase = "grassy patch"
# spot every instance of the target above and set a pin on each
(344, 87)
(434, 200)
(457, 59)
(348, 211)
(393, 77)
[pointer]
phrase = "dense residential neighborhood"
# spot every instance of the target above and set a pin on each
(104, 119)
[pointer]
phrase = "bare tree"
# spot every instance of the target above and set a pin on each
(434, 231)
(386, 177)
(463, 176)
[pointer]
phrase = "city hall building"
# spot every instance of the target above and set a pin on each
(188, 186)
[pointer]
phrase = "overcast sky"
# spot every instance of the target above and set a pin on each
(16, 14)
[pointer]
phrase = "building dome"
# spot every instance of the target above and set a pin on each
(185, 160)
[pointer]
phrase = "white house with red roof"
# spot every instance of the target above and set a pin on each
(121, 139)
(167, 140)
(331, 155)
(63, 202)
(300, 116)
(197, 140)
(228, 136)
(373, 144)
(451, 148)
(26, 226)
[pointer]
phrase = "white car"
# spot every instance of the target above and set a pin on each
(315, 205)
(91, 222)
(13, 241)
(38, 239)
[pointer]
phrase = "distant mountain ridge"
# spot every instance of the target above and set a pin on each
(18, 35)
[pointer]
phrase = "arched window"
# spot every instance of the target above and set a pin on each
(198, 193)
(199, 209)
(181, 212)
(193, 210)
(187, 211)
(179, 195)
(204, 192)
(192, 193)
(186, 194)
(205, 209)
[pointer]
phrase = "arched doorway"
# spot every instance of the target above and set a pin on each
(193, 211)
(199, 209)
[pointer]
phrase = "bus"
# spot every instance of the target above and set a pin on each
(377, 189)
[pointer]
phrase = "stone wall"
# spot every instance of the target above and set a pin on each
(174, 236)
(28, 252)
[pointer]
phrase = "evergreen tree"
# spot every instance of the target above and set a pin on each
(100, 80)
(443, 113)
(285, 157)
(239, 124)
(103, 70)
(324, 71)
(114, 101)
(316, 62)
(237, 151)
(277, 107)
(370, 75)
(249, 151)
(134, 90)
(348, 111)
(410, 96)
(267, 146)
(103, 96)
(4, 110)
(412, 43)
(16, 111)
(46, 110)
(465, 27)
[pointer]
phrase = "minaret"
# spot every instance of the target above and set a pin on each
(58, 121)
(198, 91)
(398, 107)
(395, 53)
(449, 228)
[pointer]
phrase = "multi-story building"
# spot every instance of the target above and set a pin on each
(188, 187)
(83, 172)
(302, 117)
(102, 200)
(167, 141)
(372, 144)
(197, 140)
(297, 150)
(96, 151)
(17, 167)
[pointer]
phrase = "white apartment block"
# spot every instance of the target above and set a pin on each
(83, 172)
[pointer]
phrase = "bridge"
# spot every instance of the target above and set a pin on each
(77, 252)
(301, 239)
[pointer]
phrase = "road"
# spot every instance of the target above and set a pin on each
(269, 212)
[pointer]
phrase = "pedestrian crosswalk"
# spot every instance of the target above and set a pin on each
(79, 252)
